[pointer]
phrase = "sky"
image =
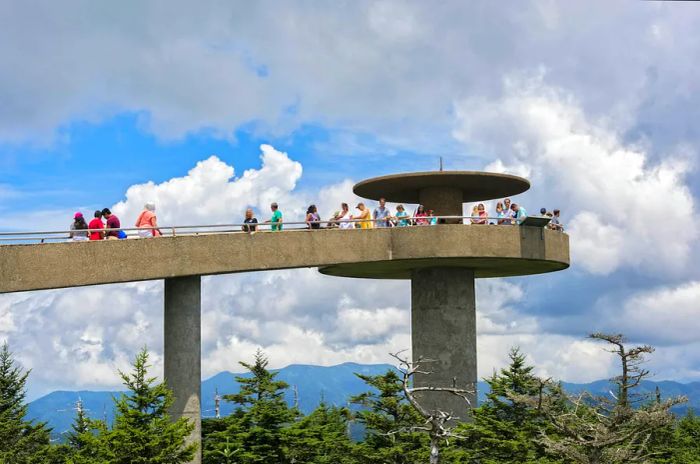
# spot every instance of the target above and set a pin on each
(213, 107)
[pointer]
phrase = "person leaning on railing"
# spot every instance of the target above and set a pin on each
(313, 220)
(250, 222)
(365, 219)
(555, 223)
(276, 220)
(401, 218)
(381, 215)
(147, 221)
(500, 214)
(421, 216)
(79, 228)
(96, 227)
(520, 213)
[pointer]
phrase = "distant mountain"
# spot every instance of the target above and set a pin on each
(310, 384)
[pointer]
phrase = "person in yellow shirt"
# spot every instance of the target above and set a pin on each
(364, 218)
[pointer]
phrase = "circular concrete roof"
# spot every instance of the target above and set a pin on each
(483, 267)
(475, 185)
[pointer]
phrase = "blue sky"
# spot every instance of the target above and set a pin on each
(212, 108)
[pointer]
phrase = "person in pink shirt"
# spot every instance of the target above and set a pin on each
(483, 214)
(421, 217)
(147, 221)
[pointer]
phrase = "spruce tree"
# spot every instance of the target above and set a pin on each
(21, 441)
(321, 437)
(388, 420)
(79, 428)
(88, 441)
(254, 430)
(686, 441)
(143, 432)
(505, 430)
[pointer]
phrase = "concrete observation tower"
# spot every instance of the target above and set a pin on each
(441, 261)
(443, 306)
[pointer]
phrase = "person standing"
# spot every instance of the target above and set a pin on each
(276, 219)
(112, 223)
(313, 220)
(401, 216)
(365, 219)
(500, 213)
(343, 217)
(148, 222)
(475, 215)
(520, 213)
(432, 220)
(250, 222)
(421, 216)
(483, 214)
(79, 228)
(381, 214)
(96, 227)
(508, 212)
(555, 223)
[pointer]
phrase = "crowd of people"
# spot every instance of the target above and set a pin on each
(507, 213)
(110, 229)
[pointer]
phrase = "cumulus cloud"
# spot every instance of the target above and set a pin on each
(209, 194)
(666, 315)
(624, 209)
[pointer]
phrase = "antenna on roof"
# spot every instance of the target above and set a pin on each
(441, 163)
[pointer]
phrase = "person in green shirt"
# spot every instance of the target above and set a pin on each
(276, 219)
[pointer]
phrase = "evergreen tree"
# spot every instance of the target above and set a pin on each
(388, 420)
(505, 430)
(255, 428)
(88, 441)
(80, 428)
(686, 441)
(21, 441)
(143, 431)
(321, 437)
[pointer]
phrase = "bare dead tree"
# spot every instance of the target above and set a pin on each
(598, 430)
(631, 370)
(437, 422)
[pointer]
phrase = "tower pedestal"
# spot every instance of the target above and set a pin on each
(182, 352)
(443, 329)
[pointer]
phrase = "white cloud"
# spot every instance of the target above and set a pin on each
(668, 315)
(209, 194)
(625, 209)
(390, 69)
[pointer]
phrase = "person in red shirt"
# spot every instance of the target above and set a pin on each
(95, 227)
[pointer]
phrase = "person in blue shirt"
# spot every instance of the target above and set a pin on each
(381, 215)
(520, 213)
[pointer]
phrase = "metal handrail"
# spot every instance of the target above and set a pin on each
(215, 228)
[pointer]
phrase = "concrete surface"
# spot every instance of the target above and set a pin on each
(474, 185)
(182, 352)
(443, 330)
(378, 253)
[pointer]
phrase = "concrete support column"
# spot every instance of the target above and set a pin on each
(183, 360)
(444, 201)
(443, 328)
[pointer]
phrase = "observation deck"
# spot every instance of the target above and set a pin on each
(382, 253)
